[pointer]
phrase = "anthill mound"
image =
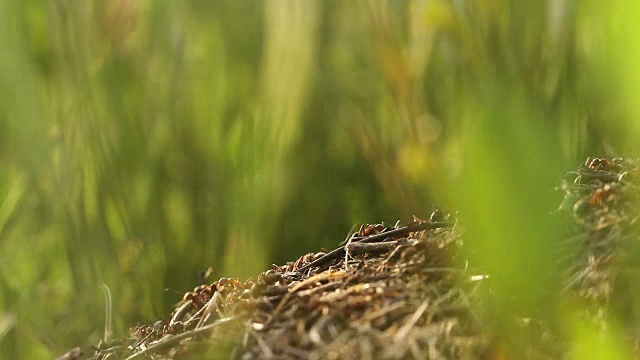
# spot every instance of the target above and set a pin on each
(404, 291)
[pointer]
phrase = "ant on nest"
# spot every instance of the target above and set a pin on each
(191, 308)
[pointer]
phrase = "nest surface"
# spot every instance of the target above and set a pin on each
(403, 291)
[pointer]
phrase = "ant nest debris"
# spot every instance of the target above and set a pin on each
(404, 291)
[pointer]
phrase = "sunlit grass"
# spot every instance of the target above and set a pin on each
(145, 141)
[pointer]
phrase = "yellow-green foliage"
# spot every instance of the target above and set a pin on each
(143, 141)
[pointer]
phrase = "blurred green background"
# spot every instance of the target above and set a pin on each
(143, 141)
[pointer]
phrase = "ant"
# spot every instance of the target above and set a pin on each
(598, 164)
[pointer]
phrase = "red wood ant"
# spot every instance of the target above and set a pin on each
(598, 164)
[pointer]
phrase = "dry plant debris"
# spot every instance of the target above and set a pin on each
(402, 292)
(397, 298)
(602, 266)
